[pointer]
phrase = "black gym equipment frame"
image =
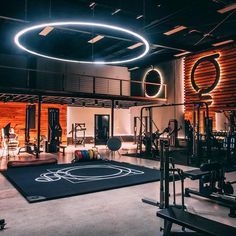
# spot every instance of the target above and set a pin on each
(201, 225)
(135, 127)
(196, 120)
(208, 175)
(230, 138)
(39, 126)
(76, 139)
(178, 214)
(54, 130)
(28, 147)
(101, 131)
(165, 179)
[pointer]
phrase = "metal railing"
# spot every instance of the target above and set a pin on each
(75, 82)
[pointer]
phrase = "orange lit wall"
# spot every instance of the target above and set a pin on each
(224, 95)
(15, 113)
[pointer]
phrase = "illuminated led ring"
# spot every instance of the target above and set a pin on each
(161, 84)
(112, 27)
(212, 60)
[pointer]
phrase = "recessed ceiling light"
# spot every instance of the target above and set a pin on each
(115, 12)
(136, 45)
(139, 17)
(175, 30)
(46, 31)
(227, 8)
(223, 43)
(92, 4)
(95, 39)
(134, 68)
(182, 54)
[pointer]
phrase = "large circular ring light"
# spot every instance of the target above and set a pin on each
(152, 76)
(211, 59)
(80, 23)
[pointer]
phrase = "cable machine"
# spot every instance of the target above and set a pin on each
(146, 134)
(172, 129)
(137, 122)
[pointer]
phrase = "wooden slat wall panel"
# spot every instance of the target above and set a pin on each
(189, 116)
(224, 95)
(15, 113)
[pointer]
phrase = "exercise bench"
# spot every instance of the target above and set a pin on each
(200, 225)
(225, 200)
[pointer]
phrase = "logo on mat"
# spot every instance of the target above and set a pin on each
(76, 174)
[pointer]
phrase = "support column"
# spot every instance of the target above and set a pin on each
(39, 124)
(198, 132)
(32, 75)
(112, 117)
(150, 129)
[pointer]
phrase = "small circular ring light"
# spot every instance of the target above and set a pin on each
(153, 76)
(81, 23)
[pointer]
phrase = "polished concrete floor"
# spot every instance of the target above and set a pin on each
(112, 212)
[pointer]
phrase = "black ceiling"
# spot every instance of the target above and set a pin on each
(204, 26)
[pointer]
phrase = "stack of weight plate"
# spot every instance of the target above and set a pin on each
(86, 155)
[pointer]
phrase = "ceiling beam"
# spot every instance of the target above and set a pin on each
(14, 19)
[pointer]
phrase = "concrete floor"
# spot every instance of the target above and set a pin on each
(112, 212)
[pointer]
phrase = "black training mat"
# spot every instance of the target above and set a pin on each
(41, 183)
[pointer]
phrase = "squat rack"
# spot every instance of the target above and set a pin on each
(196, 125)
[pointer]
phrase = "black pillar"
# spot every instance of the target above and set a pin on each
(166, 175)
(198, 132)
(112, 117)
(150, 128)
(39, 124)
(32, 74)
